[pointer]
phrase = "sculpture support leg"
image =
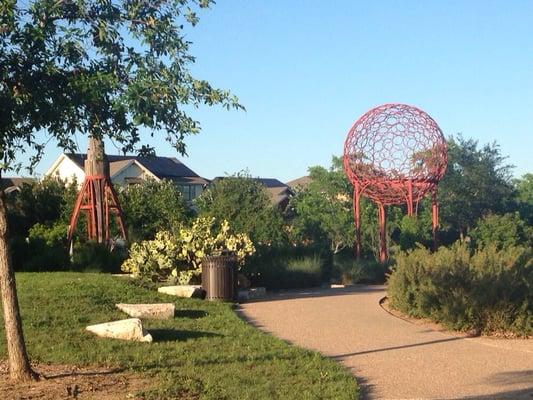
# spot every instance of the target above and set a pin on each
(410, 202)
(98, 199)
(435, 217)
(357, 217)
(382, 233)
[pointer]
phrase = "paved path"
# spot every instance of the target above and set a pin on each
(393, 358)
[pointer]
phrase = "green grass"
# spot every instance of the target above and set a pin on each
(205, 352)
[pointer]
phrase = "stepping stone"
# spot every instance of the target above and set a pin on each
(148, 311)
(183, 291)
(125, 329)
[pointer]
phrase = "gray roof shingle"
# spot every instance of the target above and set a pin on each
(162, 167)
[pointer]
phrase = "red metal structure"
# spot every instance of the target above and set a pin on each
(394, 154)
(97, 198)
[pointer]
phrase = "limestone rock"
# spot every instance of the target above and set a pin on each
(252, 293)
(183, 291)
(148, 311)
(256, 292)
(125, 329)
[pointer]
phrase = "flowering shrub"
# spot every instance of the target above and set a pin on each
(180, 255)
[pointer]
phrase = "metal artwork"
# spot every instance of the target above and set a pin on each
(394, 154)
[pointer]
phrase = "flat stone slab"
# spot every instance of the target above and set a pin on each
(125, 329)
(183, 291)
(252, 293)
(256, 292)
(148, 311)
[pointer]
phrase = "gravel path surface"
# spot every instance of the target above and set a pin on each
(393, 358)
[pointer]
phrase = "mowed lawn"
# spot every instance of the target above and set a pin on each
(205, 352)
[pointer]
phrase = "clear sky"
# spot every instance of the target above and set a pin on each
(306, 70)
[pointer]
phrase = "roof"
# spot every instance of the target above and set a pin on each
(279, 194)
(300, 182)
(162, 167)
(278, 191)
(13, 183)
(271, 182)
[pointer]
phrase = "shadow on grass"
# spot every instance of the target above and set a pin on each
(172, 335)
(192, 314)
(82, 373)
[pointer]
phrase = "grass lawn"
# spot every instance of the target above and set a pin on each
(205, 352)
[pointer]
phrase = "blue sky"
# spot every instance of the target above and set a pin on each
(306, 70)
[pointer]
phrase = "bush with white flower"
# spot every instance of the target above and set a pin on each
(180, 255)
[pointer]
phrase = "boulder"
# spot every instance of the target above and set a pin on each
(183, 291)
(148, 311)
(125, 329)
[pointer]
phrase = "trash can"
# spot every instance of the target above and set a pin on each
(219, 277)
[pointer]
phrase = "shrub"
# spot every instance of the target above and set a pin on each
(245, 203)
(97, 257)
(180, 255)
(489, 290)
(152, 206)
(45, 249)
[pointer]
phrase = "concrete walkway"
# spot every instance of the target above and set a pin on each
(393, 358)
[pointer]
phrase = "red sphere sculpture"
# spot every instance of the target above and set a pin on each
(394, 154)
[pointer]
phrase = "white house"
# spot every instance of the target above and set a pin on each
(126, 170)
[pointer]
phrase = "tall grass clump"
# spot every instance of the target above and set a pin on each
(349, 270)
(288, 269)
(487, 289)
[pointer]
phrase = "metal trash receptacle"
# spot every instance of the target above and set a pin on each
(219, 277)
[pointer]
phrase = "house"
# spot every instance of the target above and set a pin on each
(299, 183)
(279, 192)
(11, 184)
(127, 170)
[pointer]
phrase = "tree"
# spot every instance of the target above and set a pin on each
(152, 206)
(477, 182)
(502, 231)
(244, 202)
(44, 202)
(323, 210)
(98, 68)
(524, 197)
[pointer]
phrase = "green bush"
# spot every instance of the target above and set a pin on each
(97, 257)
(152, 206)
(489, 290)
(44, 250)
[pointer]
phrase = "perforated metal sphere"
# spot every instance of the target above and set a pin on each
(393, 149)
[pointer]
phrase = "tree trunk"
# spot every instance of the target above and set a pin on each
(19, 364)
(96, 165)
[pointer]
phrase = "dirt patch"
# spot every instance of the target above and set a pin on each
(71, 382)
